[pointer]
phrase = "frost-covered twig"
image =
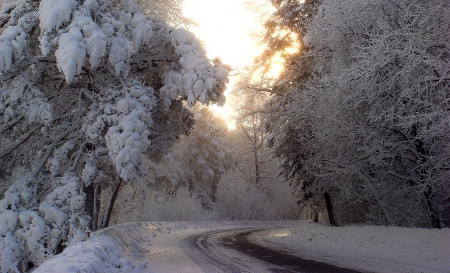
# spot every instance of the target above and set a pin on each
(10, 124)
(49, 151)
(24, 138)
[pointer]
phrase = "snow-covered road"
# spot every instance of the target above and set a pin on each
(211, 252)
(257, 247)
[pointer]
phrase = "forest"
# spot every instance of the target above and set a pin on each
(105, 118)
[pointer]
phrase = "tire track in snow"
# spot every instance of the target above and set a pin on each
(211, 252)
(204, 251)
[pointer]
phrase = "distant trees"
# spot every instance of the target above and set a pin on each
(250, 121)
(208, 175)
(283, 42)
(87, 90)
(197, 161)
(363, 111)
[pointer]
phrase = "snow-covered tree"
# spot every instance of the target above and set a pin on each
(169, 10)
(250, 120)
(176, 203)
(241, 199)
(80, 85)
(197, 161)
(285, 39)
(207, 175)
(371, 119)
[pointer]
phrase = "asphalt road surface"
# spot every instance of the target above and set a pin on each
(233, 251)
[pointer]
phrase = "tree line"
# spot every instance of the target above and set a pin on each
(359, 118)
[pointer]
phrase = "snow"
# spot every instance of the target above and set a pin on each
(71, 53)
(119, 52)
(25, 230)
(99, 254)
(142, 31)
(306, 40)
(371, 248)
(54, 13)
(96, 43)
(128, 138)
(198, 77)
(160, 247)
(12, 43)
(84, 37)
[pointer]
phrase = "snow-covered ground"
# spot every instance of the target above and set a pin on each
(367, 248)
(128, 247)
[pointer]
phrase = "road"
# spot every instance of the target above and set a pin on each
(235, 251)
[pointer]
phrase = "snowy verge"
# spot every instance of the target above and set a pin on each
(371, 248)
(97, 255)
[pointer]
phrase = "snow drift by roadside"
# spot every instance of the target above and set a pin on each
(98, 255)
(371, 248)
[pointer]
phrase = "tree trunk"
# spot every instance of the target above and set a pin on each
(96, 212)
(315, 216)
(435, 220)
(434, 217)
(214, 191)
(89, 203)
(256, 167)
(329, 209)
(107, 217)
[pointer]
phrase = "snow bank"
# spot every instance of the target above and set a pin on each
(372, 248)
(98, 255)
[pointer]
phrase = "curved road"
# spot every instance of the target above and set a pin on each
(233, 251)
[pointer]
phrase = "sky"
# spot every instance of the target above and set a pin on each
(225, 28)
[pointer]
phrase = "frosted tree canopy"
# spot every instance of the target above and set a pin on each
(87, 89)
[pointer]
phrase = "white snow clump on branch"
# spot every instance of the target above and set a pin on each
(126, 115)
(128, 139)
(12, 43)
(119, 34)
(25, 100)
(54, 13)
(198, 78)
(25, 230)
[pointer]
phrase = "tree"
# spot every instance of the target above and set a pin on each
(197, 161)
(250, 117)
(285, 38)
(373, 112)
(77, 103)
(284, 30)
(241, 199)
(169, 10)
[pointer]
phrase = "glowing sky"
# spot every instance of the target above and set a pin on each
(224, 26)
